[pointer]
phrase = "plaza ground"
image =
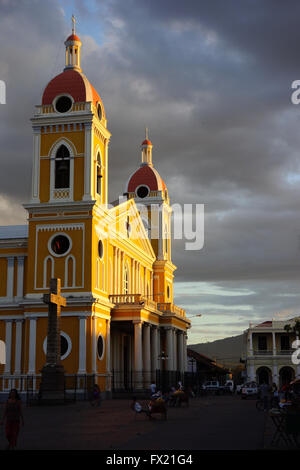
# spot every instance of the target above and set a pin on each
(209, 423)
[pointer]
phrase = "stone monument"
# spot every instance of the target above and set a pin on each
(53, 373)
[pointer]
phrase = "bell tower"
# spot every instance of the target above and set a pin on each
(150, 193)
(69, 178)
(70, 137)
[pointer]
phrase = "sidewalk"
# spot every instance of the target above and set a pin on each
(79, 426)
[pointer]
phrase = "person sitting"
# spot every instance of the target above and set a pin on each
(137, 407)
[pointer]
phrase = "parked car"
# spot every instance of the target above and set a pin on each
(213, 386)
(250, 389)
(229, 386)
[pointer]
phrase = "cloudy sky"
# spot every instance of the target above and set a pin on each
(213, 84)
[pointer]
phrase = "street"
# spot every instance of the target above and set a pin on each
(212, 422)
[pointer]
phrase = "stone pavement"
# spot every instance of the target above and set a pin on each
(209, 423)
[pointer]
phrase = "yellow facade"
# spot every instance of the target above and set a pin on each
(117, 279)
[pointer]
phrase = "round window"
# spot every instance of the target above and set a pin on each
(100, 249)
(63, 345)
(100, 347)
(142, 191)
(60, 244)
(63, 104)
(99, 111)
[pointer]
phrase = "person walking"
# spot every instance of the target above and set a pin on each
(265, 394)
(12, 416)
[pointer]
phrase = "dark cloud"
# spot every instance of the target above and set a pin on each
(213, 84)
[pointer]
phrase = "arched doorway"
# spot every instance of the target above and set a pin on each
(286, 375)
(263, 375)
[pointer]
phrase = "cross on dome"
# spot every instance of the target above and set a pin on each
(73, 27)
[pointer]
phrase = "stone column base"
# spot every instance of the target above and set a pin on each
(52, 388)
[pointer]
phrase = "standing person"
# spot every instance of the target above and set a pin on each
(12, 416)
(96, 396)
(275, 395)
(152, 388)
(265, 394)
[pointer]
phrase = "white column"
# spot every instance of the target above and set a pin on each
(180, 352)
(18, 348)
(20, 282)
(169, 348)
(115, 271)
(159, 349)
(274, 342)
(82, 345)
(88, 161)
(154, 350)
(105, 197)
(251, 343)
(185, 359)
(10, 277)
(36, 163)
(252, 372)
(175, 363)
(160, 233)
(119, 287)
(138, 353)
(32, 346)
(94, 345)
(275, 374)
(8, 345)
(146, 354)
(108, 365)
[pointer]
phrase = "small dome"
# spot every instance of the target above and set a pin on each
(148, 176)
(75, 84)
(73, 37)
(146, 142)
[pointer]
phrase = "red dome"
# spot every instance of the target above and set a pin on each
(146, 142)
(73, 37)
(148, 176)
(75, 84)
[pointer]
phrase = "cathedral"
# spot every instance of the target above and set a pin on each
(120, 324)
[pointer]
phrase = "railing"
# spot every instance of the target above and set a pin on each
(169, 307)
(75, 384)
(129, 381)
(125, 299)
(285, 352)
(281, 352)
(263, 352)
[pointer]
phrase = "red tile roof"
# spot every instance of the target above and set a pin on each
(148, 176)
(72, 82)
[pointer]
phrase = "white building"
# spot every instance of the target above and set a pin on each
(269, 352)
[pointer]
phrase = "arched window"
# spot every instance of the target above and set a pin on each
(126, 280)
(98, 174)
(70, 271)
(48, 271)
(62, 168)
